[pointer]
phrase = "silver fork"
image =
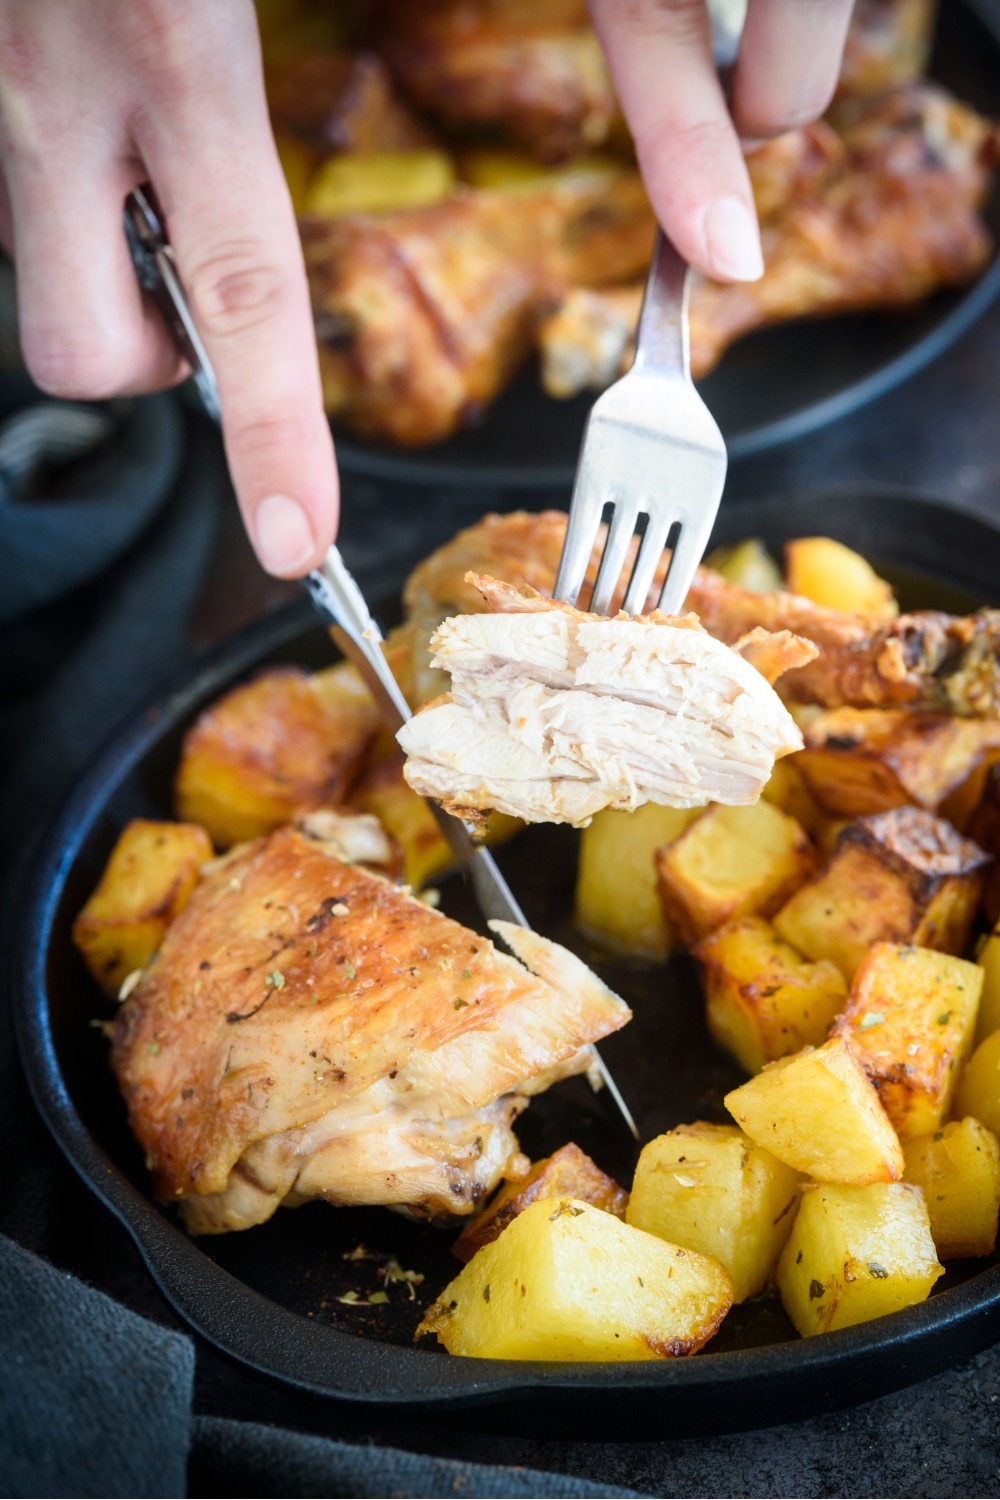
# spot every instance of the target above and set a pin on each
(653, 452)
(332, 588)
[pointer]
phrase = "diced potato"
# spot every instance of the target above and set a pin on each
(566, 1281)
(903, 876)
(911, 1019)
(818, 1112)
(859, 761)
(281, 744)
(831, 574)
(710, 1188)
(379, 182)
(962, 806)
(958, 1169)
(747, 564)
(854, 1254)
(825, 837)
(787, 789)
(978, 1091)
(988, 959)
(732, 862)
(764, 1000)
(617, 898)
(567, 1173)
(152, 871)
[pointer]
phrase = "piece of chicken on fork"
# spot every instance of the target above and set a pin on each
(309, 1030)
(555, 714)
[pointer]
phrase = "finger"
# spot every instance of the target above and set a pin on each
(231, 223)
(86, 331)
(660, 56)
(788, 64)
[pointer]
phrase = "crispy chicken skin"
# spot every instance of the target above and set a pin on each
(341, 101)
(310, 1030)
(423, 316)
(896, 220)
(924, 660)
(888, 44)
(555, 714)
(531, 68)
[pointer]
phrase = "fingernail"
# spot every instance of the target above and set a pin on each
(284, 536)
(732, 240)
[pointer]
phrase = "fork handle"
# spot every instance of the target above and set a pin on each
(662, 340)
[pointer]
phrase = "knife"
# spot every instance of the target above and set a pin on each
(334, 592)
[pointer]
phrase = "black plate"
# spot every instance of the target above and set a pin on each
(772, 386)
(268, 1296)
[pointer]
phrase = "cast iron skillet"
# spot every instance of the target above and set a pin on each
(771, 387)
(268, 1297)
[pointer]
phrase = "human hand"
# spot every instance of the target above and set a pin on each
(687, 137)
(98, 97)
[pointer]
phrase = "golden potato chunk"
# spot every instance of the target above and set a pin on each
(567, 1173)
(958, 1169)
(148, 878)
(732, 862)
(379, 182)
(748, 564)
(617, 897)
(856, 1253)
(829, 573)
(281, 744)
(910, 1019)
(407, 817)
(988, 959)
(818, 1112)
(566, 1281)
(903, 876)
(710, 1188)
(763, 1000)
(787, 789)
(859, 761)
(978, 1091)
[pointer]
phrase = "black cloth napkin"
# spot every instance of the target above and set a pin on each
(108, 517)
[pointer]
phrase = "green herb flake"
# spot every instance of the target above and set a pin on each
(377, 1297)
(873, 1018)
(466, 973)
(461, 1004)
(879, 1272)
(153, 1049)
(943, 1019)
(350, 1298)
(393, 1272)
(816, 1290)
(349, 969)
(275, 980)
(486, 1292)
(565, 1208)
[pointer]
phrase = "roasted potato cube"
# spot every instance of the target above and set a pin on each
(617, 898)
(978, 1091)
(962, 807)
(818, 1112)
(958, 1169)
(763, 1000)
(509, 171)
(732, 862)
(152, 871)
(903, 876)
(379, 182)
(787, 789)
(829, 573)
(710, 1188)
(988, 959)
(281, 744)
(567, 1173)
(748, 564)
(856, 1253)
(859, 761)
(910, 1019)
(566, 1281)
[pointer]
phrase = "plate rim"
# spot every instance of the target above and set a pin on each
(282, 1344)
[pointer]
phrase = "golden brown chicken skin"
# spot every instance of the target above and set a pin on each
(888, 45)
(532, 69)
(310, 1030)
(423, 316)
(341, 101)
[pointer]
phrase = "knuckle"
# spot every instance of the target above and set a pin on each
(236, 290)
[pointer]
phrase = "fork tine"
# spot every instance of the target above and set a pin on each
(650, 551)
(620, 531)
(581, 538)
(687, 554)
